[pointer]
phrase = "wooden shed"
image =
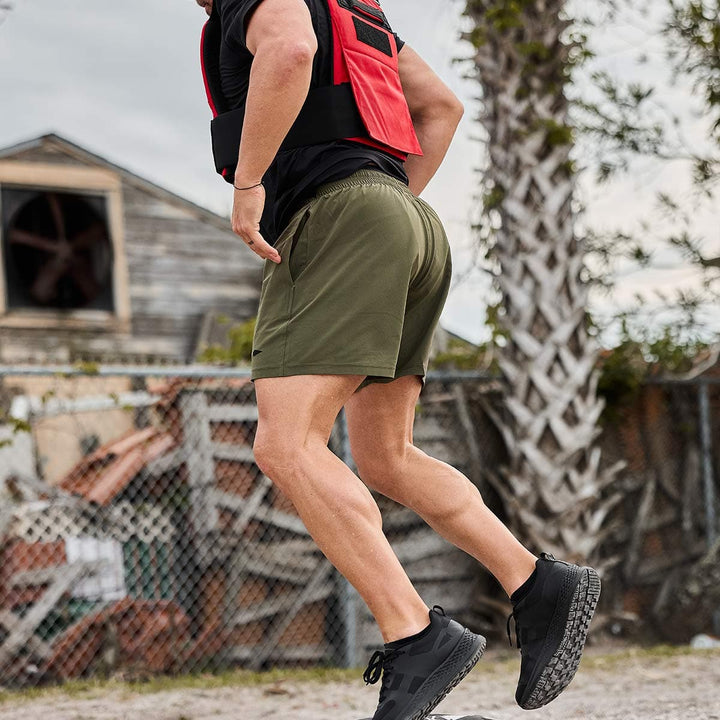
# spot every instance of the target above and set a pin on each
(98, 263)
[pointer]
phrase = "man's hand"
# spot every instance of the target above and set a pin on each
(247, 210)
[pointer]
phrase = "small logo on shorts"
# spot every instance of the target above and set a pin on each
(256, 352)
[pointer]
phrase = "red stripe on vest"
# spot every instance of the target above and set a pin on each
(206, 82)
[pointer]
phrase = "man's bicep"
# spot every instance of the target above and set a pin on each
(279, 20)
(422, 88)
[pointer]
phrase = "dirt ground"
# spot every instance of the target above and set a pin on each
(642, 685)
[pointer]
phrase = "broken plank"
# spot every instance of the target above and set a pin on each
(229, 501)
(317, 586)
(292, 562)
(66, 576)
(281, 519)
(419, 545)
(38, 648)
(232, 413)
(43, 576)
(167, 462)
(277, 606)
(198, 449)
(230, 451)
(252, 505)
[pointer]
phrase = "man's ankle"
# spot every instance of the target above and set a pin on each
(406, 627)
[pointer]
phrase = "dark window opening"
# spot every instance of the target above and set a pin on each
(57, 250)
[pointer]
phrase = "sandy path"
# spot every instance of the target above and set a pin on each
(612, 687)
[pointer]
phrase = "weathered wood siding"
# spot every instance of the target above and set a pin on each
(182, 263)
(180, 268)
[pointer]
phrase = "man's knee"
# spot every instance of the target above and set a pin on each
(381, 467)
(276, 455)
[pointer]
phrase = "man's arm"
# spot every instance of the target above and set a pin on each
(280, 35)
(435, 111)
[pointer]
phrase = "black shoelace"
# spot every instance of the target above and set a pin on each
(380, 660)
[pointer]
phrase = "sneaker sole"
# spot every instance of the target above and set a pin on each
(466, 654)
(562, 666)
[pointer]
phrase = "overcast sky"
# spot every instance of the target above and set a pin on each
(123, 80)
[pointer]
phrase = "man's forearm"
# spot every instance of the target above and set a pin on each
(279, 83)
(435, 134)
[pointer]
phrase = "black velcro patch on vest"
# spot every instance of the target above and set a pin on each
(372, 36)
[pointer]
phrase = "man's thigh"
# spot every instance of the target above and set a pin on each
(292, 409)
(381, 417)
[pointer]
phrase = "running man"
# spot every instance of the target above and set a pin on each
(329, 128)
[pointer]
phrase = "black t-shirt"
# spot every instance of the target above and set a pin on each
(295, 174)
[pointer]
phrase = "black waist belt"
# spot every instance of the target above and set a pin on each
(329, 113)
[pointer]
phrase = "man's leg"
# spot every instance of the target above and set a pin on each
(296, 415)
(362, 238)
(380, 423)
(553, 601)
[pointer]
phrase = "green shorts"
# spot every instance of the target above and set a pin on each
(364, 275)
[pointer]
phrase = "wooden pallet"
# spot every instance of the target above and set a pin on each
(234, 525)
(57, 581)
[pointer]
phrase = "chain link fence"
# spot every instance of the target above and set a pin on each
(661, 544)
(138, 536)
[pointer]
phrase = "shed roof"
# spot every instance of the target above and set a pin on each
(85, 156)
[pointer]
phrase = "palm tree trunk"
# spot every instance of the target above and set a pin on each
(553, 485)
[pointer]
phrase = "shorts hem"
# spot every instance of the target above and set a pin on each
(411, 371)
(322, 369)
(406, 372)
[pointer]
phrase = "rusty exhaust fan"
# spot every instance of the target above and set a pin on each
(60, 252)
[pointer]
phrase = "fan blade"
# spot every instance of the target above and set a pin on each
(57, 215)
(44, 287)
(81, 272)
(22, 237)
(88, 237)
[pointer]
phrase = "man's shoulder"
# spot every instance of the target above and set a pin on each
(235, 13)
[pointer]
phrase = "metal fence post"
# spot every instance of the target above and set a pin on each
(707, 469)
(348, 594)
(711, 530)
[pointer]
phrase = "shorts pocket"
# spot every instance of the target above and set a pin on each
(298, 252)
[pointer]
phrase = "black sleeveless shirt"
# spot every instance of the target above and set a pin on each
(294, 175)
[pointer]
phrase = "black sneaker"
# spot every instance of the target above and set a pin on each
(552, 616)
(417, 673)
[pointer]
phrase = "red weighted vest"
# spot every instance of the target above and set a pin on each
(365, 103)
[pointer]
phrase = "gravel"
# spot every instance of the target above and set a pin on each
(642, 685)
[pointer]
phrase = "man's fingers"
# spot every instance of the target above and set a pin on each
(260, 247)
(247, 211)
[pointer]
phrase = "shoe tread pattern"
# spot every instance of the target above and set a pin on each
(563, 665)
(439, 679)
